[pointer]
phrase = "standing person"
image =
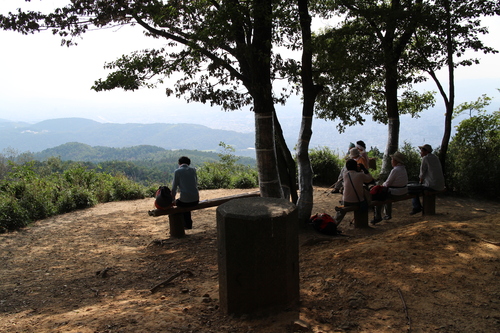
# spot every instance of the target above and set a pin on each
(353, 186)
(431, 176)
(396, 185)
(361, 146)
(186, 180)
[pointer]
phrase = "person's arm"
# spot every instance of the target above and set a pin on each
(423, 170)
(367, 176)
(175, 185)
(392, 176)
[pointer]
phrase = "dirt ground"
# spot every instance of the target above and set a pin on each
(93, 271)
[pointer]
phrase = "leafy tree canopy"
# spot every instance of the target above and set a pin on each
(210, 42)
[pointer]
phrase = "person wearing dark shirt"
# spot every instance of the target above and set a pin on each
(186, 184)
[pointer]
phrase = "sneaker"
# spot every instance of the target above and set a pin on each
(415, 211)
(375, 221)
(387, 217)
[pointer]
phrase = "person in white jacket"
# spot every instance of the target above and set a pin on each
(431, 176)
(397, 185)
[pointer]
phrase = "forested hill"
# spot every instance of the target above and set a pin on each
(74, 151)
(47, 134)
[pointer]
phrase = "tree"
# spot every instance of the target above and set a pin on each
(478, 106)
(310, 92)
(219, 46)
(474, 161)
(451, 28)
(374, 64)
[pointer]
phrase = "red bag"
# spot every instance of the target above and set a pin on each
(379, 193)
(324, 224)
(163, 198)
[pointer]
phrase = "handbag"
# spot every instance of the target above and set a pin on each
(363, 205)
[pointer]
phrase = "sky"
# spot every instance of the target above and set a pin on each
(43, 80)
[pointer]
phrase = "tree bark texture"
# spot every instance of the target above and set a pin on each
(260, 89)
(310, 91)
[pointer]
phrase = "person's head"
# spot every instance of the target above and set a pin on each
(361, 143)
(425, 149)
(351, 165)
(184, 160)
(351, 145)
(354, 153)
(397, 158)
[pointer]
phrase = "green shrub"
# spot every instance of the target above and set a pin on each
(83, 198)
(326, 166)
(473, 161)
(125, 189)
(65, 202)
(212, 176)
(38, 199)
(12, 215)
(412, 161)
(103, 189)
(248, 179)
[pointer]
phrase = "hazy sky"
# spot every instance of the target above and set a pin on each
(43, 80)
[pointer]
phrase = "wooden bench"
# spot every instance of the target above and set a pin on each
(361, 217)
(176, 218)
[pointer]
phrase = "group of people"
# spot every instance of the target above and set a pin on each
(355, 177)
(356, 152)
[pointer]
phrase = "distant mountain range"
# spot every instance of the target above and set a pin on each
(25, 137)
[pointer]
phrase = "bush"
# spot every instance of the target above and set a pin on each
(412, 161)
(38, 199)
(12, 215)
(125, 189)
(248, 179)
(28, 195)
(212, 176)
(326, 166)
(473, 160)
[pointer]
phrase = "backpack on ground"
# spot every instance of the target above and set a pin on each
(163, 198)
(324, 224)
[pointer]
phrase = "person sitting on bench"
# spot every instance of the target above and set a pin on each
(431, 177)
(396, 185)
(354, 180)
(186, 181)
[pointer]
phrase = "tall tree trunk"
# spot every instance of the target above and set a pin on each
(450, 103)
(310, 91)
(391, 90)
(261, 91)
(267, 165)
(286, 165)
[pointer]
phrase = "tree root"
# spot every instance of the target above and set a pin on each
(406, 310)
(167, 281)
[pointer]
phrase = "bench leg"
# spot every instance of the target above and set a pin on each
(361, 219)
(429, 204)
(176, 222)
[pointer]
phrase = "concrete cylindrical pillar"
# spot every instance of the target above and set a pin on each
(258, 255)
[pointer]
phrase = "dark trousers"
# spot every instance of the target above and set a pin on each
(188, 222)
(417, 189)
(387, 208)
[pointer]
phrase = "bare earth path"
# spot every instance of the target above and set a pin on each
(93, 270)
